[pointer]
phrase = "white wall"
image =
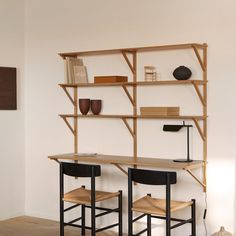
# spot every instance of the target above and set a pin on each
(59, 26)
(12, 134)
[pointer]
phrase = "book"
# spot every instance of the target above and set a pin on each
(80, 74)
(75, 71)
(69, 70)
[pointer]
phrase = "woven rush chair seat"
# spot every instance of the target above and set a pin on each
(83, 196)
(151, 207)
(157, 206)
(86, 198)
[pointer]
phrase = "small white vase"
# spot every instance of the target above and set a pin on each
(222, 232)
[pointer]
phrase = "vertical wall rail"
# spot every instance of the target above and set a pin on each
(75, 120)
(205, 115)
(135, 146)
(133, 67)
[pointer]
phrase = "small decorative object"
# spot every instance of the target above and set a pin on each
(222, 232)
(150, 73)
(84, 105)
(176, 128)
(182, 73)
(96, 106)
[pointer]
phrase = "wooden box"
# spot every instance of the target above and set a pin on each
(160, 111)
(110, 79)
(8, 88)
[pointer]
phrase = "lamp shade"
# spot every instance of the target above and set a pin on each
(222, 232)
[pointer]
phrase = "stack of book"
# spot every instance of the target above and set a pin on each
(160, 111)
(75, 71)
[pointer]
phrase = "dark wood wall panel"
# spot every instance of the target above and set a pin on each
(8, 100)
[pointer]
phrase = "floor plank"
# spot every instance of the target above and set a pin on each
(31, 226)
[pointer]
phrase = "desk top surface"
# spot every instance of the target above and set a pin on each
(128, 160)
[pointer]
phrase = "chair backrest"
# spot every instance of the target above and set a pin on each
(80, 170)
(152, 177)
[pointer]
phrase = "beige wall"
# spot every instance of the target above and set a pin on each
(12, 132)
(58, 26)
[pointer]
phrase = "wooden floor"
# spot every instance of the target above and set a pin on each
(30, 226)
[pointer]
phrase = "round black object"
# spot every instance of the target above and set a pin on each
(182, 73)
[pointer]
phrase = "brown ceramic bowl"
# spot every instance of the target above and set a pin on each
(96, 106)
(84, 105)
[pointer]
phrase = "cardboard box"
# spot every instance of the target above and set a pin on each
(110, 79)
(160, 111)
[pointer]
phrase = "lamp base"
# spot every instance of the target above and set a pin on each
(182, 160)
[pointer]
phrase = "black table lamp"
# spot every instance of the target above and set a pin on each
(176, 128)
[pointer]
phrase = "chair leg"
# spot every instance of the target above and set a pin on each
(83, 219)
(193, 213)
(168, 229)
(120, 213)
(149, 227)
(93, 221)
(61, 218)
(130, 219)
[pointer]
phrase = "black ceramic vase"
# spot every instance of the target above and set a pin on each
(182, 73)
(96, 106)
(84, 105)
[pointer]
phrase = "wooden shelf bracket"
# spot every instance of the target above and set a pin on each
(199, 129)
(199, 93)
(128, 94)
(128, 61)
(128, 127)
(121, 169)
(196, 178)
(68, 124)
(69, 96)
(199, 58)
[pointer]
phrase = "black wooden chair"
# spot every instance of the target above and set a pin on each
(154, 207)
(86, 198)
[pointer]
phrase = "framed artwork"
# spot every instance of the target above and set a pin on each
(8, 100)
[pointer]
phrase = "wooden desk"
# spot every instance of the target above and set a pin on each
(128, 160)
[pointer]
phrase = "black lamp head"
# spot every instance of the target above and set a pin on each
(172, 128)
(176, 128)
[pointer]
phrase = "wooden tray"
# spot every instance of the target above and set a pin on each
(110, 79)
(161, 111)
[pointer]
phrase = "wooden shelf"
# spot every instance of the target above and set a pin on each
(134, 50)
(139, 83)
(128, 160)
(130, 57)
(132, 117)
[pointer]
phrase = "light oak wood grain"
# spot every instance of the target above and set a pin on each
(28, 226)
(128, 160)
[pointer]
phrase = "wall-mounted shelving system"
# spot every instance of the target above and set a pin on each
(130, 57)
